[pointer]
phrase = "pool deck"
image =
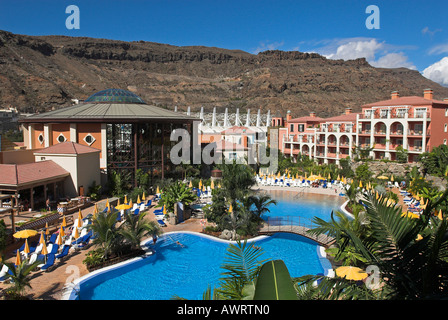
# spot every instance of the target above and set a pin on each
(49, 285)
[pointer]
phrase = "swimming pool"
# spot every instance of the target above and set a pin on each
(187, 271)
(302, 204)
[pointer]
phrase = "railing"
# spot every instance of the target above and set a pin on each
(295, 224)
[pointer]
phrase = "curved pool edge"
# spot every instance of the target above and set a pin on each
(71, 290)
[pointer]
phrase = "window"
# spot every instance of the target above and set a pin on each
(61, 138)
(291, 128)
(444, 141)
(41, 139)
(301, 127)
(89, 139)
(446, 112)
(446, 127)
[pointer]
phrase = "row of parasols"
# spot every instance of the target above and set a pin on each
(29, 233)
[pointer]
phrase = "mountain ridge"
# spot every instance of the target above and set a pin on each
(40, 73)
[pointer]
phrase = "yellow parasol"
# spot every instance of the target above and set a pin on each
(440, 216)
(64, 222)
(27, 247)
(200, 184)
(118, 202)
(76, 235)
(419, 237)
(95, 210)
(411, 215)
(25, 233)
(18, 260)
(125, 198)
(360, 183)
(164, 209)
(79, 219)
(212, 185)
(338, 178)
(42, 238)
(329, 177)
(158, 190)
(143, 196)
(382, 177)
(47, 231)
(297, 175)
(351, 273)
(138, 199)
(123, 207)
(44, 249)
(59, 239)
(61, 231)
(392, 178)
(190, 185)
(230, 208)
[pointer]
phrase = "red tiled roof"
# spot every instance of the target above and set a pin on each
(68, 147)
(306, 119)
(237, 130)
(21, 174)
(409, 100)
(224, 145)
(344, 117)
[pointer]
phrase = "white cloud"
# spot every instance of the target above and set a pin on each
(430, 32)
(356, 49)
(265, 45)
(439, 49)
(438, 71)
(393, 60)
(369, 49)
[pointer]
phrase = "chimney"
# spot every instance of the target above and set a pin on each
(313, 114)
(395, 95)
(428, 94)
(348, 110)
(244, 140)
(288, 116)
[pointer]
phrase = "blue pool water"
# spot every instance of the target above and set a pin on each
(188, 271)
(304, 205)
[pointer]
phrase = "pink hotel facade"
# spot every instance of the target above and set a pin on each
(418, 124)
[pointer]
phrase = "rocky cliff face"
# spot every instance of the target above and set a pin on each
(42, 73)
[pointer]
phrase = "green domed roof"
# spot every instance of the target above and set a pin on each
(114, 96)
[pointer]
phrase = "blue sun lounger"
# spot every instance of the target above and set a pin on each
(161, 223)
(50, 262)
(64, 252)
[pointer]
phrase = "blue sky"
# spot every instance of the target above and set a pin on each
(412, 33)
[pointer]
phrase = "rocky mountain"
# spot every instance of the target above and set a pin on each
(40, 73)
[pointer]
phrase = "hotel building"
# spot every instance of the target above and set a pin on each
(418, 124)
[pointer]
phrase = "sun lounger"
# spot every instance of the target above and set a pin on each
(4, 273)
(53, 238)
(148, 204)
(54, 249)
(136, 211)
(50, 262)
(64, 252)
(161, 223)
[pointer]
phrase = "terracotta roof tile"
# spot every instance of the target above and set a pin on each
(237, 130)
(306, 119)
(408, 100)
(20, 174)
(67, 147)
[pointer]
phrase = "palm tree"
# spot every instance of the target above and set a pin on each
(135, 228)
(261, 204)
(410, 254)
(19, 277)
(107, 234)
(176, 192)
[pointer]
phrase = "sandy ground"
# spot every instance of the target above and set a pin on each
(49, 285)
